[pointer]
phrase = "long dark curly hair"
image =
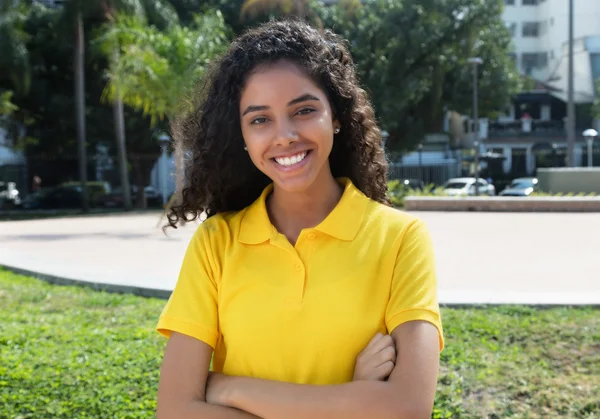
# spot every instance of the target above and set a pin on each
(219, 175)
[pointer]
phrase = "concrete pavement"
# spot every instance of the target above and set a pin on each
(482, 258)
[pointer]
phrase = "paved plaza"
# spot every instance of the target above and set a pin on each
(528, 258)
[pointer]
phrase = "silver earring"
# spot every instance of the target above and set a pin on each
(246, 148)
(336, 131)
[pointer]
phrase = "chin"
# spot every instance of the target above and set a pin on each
(293, 184)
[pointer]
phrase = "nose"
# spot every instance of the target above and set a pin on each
(286, 133)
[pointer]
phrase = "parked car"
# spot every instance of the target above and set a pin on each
(9, 196)
(115, 198)
(96, 190)
(465, 186)
(66, 195)
(523, 186)
(34, 200)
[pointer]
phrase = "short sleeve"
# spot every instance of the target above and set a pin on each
(414, 284)
(192, 307)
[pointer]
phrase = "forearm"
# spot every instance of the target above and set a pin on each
(199, 409)
(358, 399)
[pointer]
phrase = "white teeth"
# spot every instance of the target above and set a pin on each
(289, 161)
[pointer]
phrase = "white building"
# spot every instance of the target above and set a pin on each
(540, 30)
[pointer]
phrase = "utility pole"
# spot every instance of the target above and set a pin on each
(570, 101)
(476, 62)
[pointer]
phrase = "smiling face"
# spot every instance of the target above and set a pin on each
(287, 125)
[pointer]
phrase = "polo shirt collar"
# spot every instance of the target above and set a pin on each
(342, 223)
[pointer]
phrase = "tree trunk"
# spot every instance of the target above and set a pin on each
(80, 110)
(121, 149)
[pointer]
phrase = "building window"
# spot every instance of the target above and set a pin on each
(512, 28)
(509, 2)
(531, 29)
(529, 61)
(530, 2)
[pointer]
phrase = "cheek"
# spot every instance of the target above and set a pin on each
(256, 145)
(321, 129)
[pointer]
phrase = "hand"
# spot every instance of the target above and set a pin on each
(377, 360)
(217, 389)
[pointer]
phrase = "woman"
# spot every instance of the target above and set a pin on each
(317, 299)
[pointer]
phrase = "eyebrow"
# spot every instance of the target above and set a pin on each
(304, 98)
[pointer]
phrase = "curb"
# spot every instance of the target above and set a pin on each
(503, 204)
(165, 294)
(112, 288)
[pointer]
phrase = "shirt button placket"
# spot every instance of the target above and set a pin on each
(297, 290)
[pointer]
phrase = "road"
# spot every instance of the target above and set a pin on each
(528, 258)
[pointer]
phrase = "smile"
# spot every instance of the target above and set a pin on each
(290, 161)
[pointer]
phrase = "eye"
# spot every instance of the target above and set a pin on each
(258, 121)
(305, 111)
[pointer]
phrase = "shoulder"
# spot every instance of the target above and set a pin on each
(391, 220)
(218, 229)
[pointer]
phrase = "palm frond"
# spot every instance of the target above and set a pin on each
(156, 69)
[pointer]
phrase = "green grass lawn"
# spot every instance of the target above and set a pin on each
(68, 352)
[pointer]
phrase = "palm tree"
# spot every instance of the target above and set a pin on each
(74, 13)
(162, 15)
(156, 69)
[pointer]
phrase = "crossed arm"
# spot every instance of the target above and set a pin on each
(408, 393)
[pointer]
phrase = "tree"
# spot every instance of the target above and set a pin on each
(14, 60)
(162, 15)
(156, 69)
(7, 107)
(411, 55)
(73, 15)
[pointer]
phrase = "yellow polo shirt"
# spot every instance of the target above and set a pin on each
(303, 313)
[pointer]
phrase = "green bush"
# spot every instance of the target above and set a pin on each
(398, 191)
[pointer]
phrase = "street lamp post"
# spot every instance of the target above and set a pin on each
(590, 135)
(420, 147)
(163, 171)
(570, 93)
(476, 61)
(384, 137)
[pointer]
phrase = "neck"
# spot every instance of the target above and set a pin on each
(292, 212)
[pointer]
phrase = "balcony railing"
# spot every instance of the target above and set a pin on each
(527, 128)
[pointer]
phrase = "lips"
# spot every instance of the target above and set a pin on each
(291, 160)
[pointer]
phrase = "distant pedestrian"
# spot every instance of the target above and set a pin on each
(36, 184)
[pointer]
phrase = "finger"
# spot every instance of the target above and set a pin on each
(385, 342)
(386, 355)
(383, 371)
(374, 341)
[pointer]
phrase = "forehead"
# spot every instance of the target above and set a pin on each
(280, 81)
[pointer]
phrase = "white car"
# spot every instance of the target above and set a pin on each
(523, 186)
(465, 186)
